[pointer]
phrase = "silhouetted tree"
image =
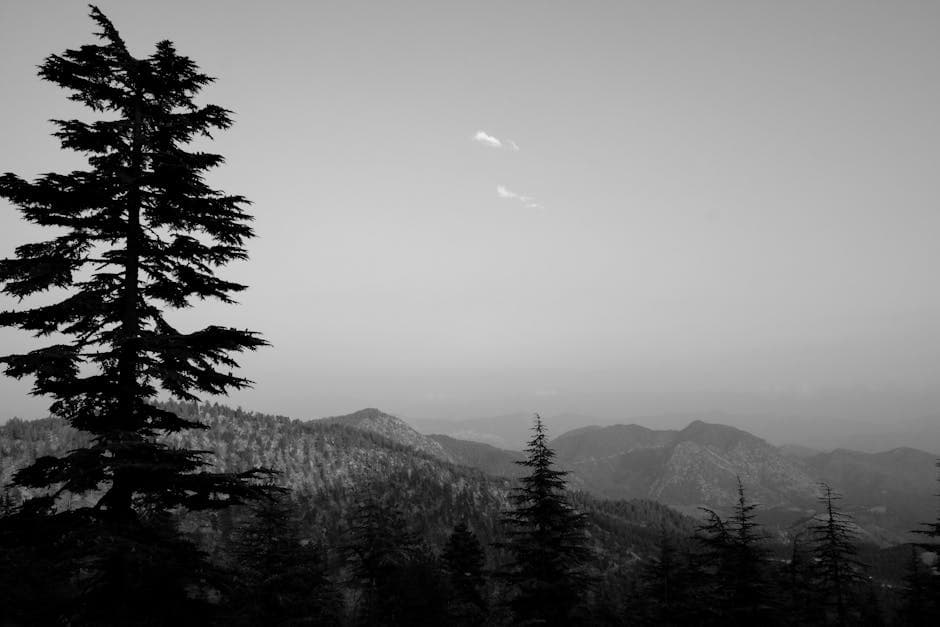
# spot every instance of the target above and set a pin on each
(796, 582)
(463, 559)
(668, 594)
(749, 593)
(837, 573)
(398, 578)
(137, 232)
(735, 565)
(283, 576)
(546, 542)
(922, 582)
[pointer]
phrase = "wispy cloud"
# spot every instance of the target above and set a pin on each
(482, 137)
(504, 192)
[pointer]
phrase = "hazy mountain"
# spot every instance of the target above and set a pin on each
(888, 493)
(601, 442)
(491, 460)
(698, 465)
(392, 428)
(510, 431)
(798, 451)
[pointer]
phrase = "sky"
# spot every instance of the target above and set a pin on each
(609, 208)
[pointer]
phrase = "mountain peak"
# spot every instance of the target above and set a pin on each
(393, 428)
(369, 413)
(713, 434)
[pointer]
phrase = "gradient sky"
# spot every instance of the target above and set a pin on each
(693, 206)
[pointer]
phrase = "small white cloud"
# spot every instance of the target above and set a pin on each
(487, 140)
(482, 137)
(504, 192)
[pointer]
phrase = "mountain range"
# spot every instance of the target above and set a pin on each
(445, 479)
(888, 493)
(330, 464)
(820, 434)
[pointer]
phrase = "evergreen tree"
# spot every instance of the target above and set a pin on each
(397, 576)
(736, 565)
(463, 559)
(668, 591)
(750, 597)
(920, 596)
(837, 573)
(710, 568)
(546, 542)
(922, 582)
(796, 582)
(283, 578)
(137, 232)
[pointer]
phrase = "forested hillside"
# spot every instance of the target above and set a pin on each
(327, 464)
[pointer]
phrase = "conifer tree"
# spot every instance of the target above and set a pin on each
(837, 571)
(736, 564)
(668, 591)
(136, 233)
(922, 583)
(463, 559)
(546, 541)
(397, 576)
(796, 581)
(750, 595)
(282, 574)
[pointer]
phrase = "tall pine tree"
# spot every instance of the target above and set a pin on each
(397, 576)
(735, 566)
(546, 542)
(282, 575)
(137, 233)
(837, 572)
(922, 582)
(668, 594)
(463, 560)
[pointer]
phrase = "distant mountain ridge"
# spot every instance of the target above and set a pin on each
(698, 465)
(511, 431)
(888, 493)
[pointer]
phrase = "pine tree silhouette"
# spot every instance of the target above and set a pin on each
(668, 594)
(282, 574)
(398, 577)
(546, 542)
(137, 233)
(922, 583)
(838, 574)
(749, 592)
(735, 566)
(463, 559)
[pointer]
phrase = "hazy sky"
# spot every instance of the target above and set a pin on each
(611, 208)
